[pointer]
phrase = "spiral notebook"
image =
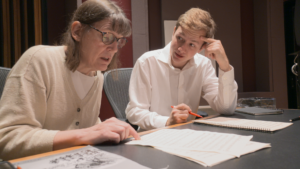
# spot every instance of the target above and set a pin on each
(258, 111)
(258, 125)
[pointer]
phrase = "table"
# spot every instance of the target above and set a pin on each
(284, 152)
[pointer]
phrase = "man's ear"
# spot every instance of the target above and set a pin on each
(76, 30)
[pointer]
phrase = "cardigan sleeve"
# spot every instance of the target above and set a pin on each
(22, 113)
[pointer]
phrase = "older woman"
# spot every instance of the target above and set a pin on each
(52, 95)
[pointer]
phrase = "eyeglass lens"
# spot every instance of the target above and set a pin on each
(109, 38)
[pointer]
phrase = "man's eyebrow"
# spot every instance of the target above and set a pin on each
(195, 41)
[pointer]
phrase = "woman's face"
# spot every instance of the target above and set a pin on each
(95, 55)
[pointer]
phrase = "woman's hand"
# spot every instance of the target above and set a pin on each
(111, 130)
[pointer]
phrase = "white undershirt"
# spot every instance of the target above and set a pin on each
(82, 83)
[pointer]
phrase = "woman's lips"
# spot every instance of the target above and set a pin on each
(105, 59)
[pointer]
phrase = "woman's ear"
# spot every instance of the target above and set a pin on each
(76, 30)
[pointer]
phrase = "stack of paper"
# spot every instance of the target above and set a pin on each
(203, 147)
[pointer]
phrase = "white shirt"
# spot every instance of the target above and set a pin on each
(155, 86)
(82, 83)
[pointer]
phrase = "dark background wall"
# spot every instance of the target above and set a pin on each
(252, 32)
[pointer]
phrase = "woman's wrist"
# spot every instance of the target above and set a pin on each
(65, 139)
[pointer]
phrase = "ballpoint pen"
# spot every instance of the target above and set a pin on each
(295, 119)
(191, 113)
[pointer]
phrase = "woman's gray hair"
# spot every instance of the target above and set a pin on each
(88, 13)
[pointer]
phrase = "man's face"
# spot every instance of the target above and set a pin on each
(184, 45)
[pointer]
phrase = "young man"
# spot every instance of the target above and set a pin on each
(178, 76)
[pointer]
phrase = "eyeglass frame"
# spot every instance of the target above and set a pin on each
(115, 38)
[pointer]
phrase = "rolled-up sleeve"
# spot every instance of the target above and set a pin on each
(221, 93)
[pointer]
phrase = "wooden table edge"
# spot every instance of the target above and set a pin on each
(176, 125)
(77, 147)
(45, 154)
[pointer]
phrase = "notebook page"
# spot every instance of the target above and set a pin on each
(188, 139)
(246, 123)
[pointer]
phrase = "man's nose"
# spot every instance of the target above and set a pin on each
(182, 47)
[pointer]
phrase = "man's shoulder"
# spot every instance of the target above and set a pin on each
(150, 55)
(201, 59)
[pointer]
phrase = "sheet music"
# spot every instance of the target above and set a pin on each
(86, 157)
(210, 158)
(188, 139)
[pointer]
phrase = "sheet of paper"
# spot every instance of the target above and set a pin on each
(86, 157)
(188, 139)
(245, 123)
(210, 158)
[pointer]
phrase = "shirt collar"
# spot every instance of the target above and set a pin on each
(166, 57)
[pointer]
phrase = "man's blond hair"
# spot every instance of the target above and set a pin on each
(197, 19)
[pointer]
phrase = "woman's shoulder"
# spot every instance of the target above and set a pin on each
(42, 51)
(37, 58)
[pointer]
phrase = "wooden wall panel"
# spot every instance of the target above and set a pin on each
(17, 30)
(37, 22)
(248, 46)
(6, 34)
(21, 28)
(25, 24)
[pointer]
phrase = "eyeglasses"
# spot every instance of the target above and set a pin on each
(109, 38)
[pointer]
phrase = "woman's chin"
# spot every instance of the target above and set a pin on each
(102, 68)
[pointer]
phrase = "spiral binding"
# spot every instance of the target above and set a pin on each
(262, 129)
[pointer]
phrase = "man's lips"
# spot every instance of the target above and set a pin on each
(177, 55)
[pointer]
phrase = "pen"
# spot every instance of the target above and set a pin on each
(295, 119)
(191, 113)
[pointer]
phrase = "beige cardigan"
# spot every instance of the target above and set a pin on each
(39, 99)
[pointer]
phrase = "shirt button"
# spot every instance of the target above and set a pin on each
(77, 123)
(78, 110)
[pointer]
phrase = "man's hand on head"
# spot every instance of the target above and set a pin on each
(215, 50)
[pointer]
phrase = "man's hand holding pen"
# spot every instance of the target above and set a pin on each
(179, 114)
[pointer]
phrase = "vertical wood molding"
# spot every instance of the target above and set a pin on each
(271, 55)
(37, 22)
(17, 29)
(25, 24)
(248, 47)
(79, 2)
(6, 34)
(155, 25)
(140, 32)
